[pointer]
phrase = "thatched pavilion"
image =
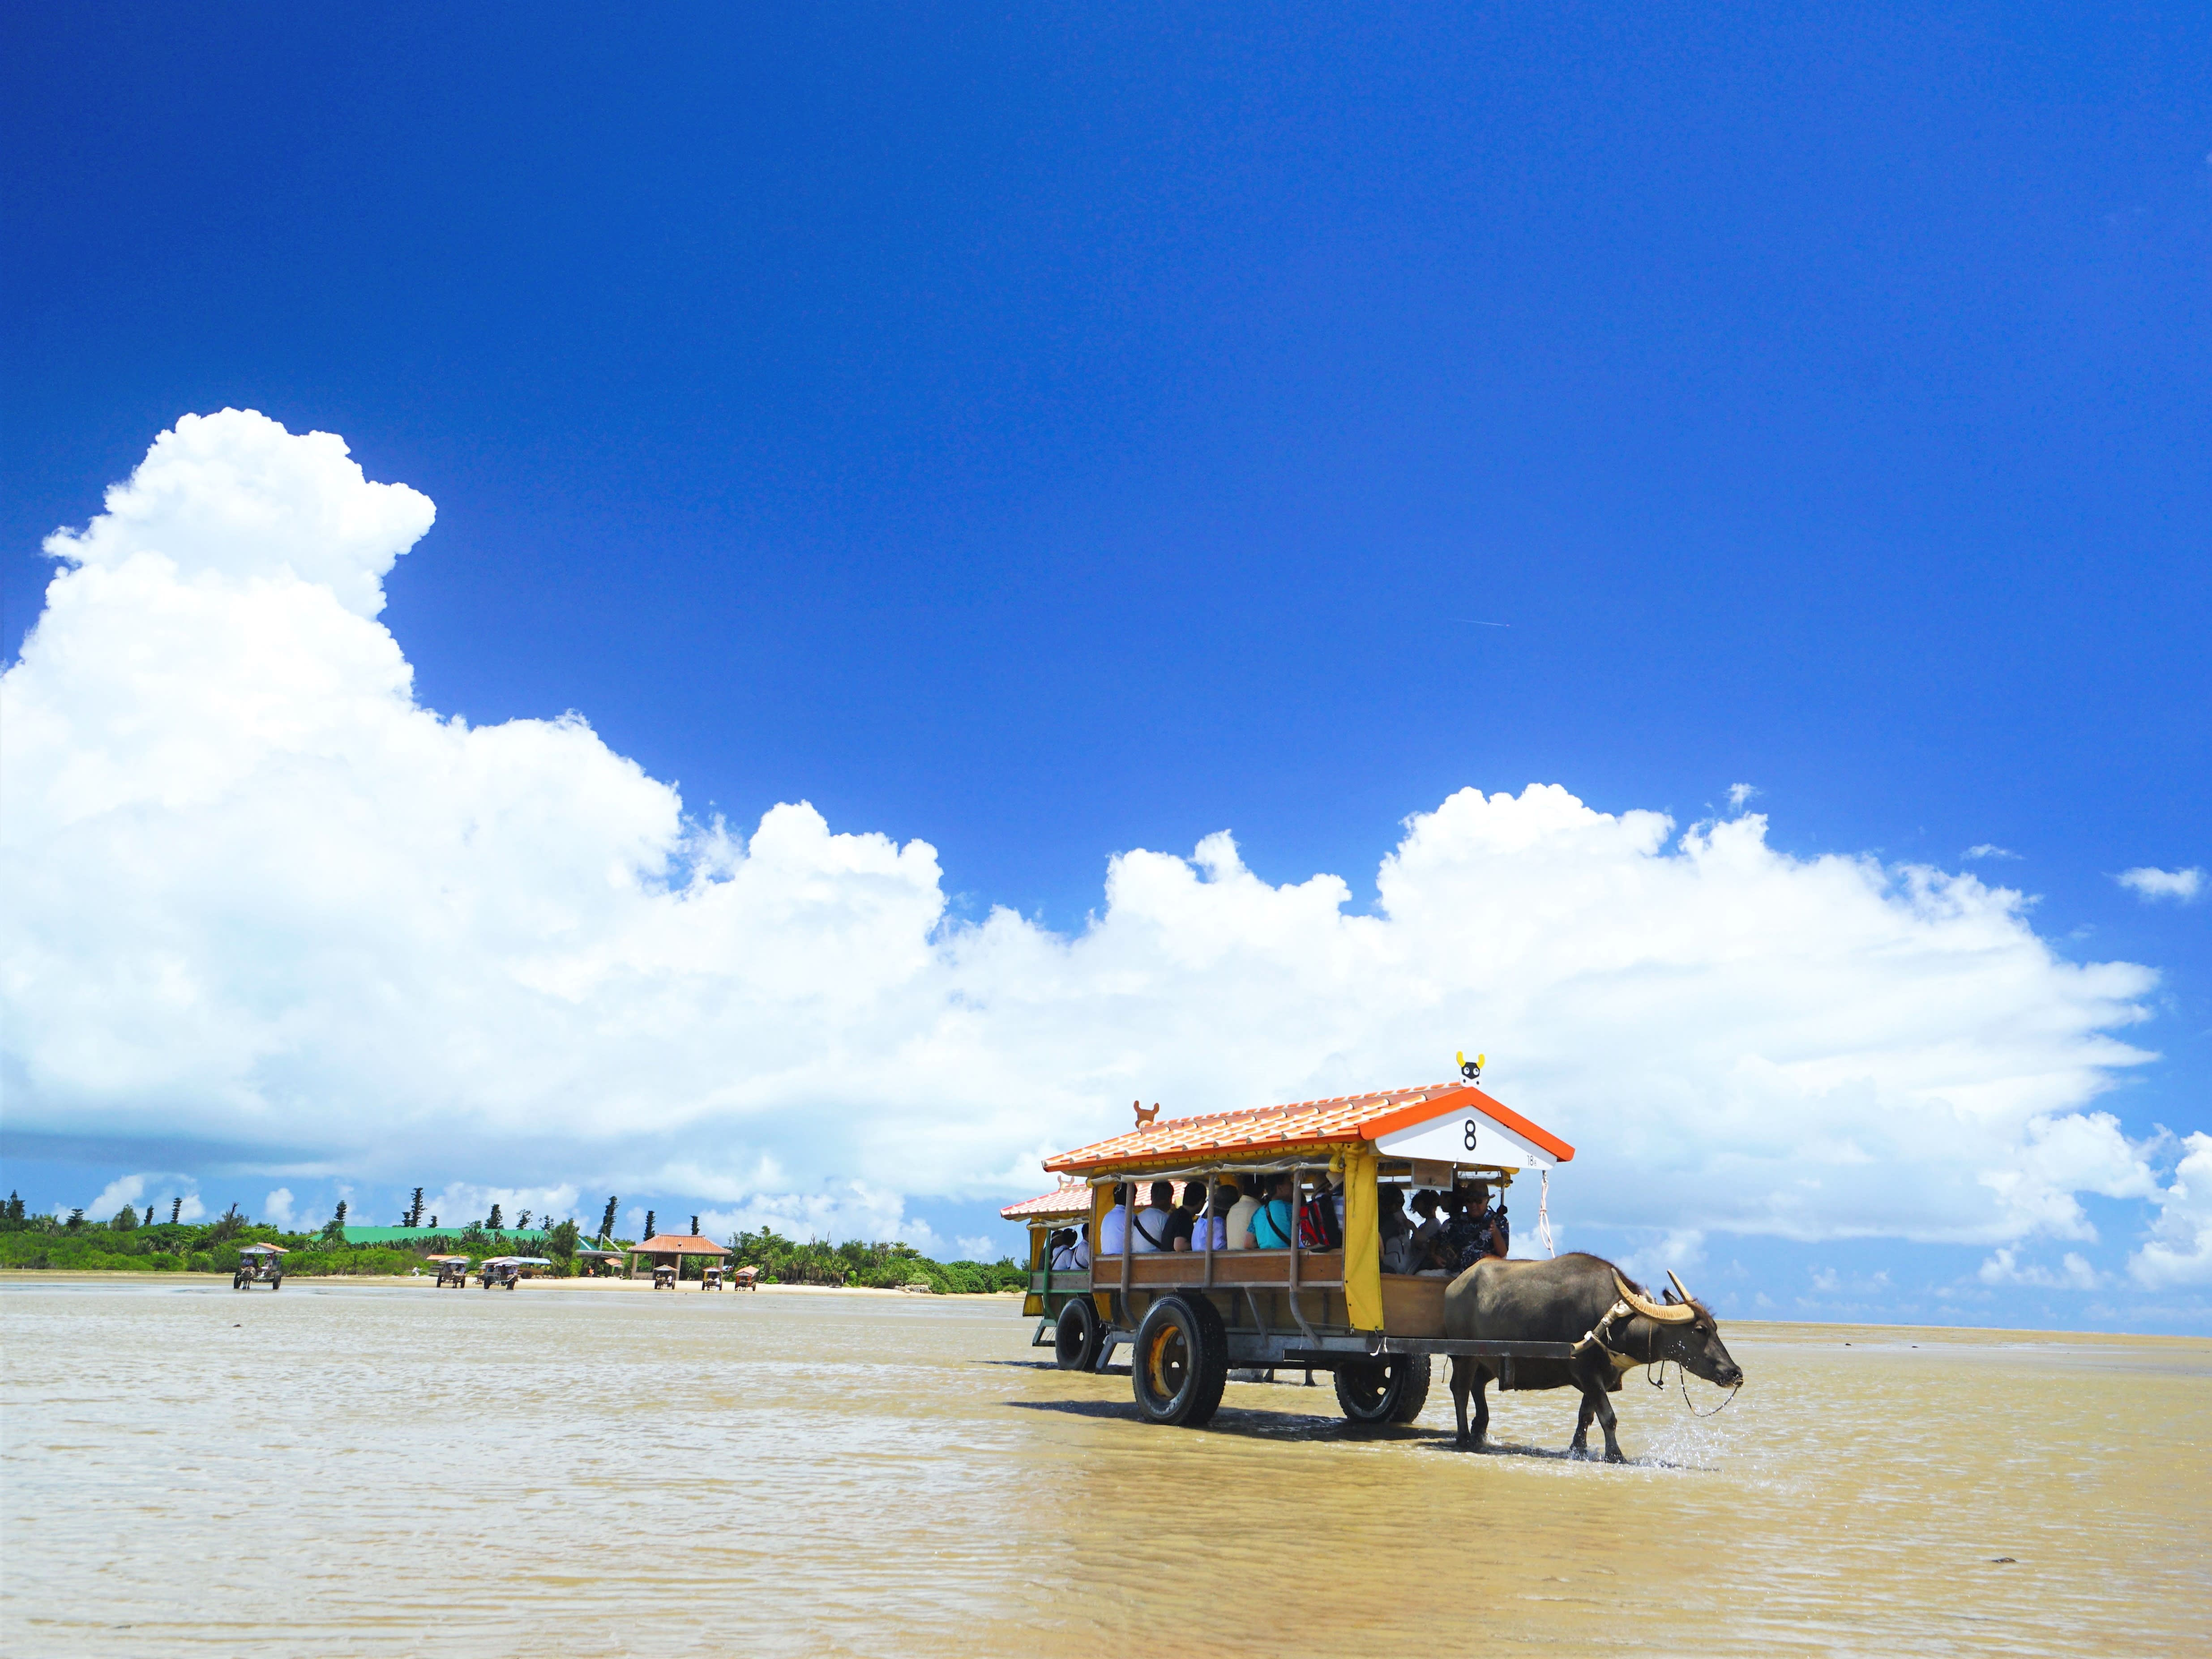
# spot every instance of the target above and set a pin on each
(669, 1249)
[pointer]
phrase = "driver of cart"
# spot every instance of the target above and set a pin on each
(1271, 1222)
(1476, 1230)
(1241, 1211)
(1114, 1225)
(1151, 1227)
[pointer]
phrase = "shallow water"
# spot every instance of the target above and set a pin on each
(390, 1469)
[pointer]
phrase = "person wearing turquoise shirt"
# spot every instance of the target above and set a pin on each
(1271, 1222)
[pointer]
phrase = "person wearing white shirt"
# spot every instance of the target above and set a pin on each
(1072, 1252)
(1241, 1214)
(1114, 1225)
(1149, 1227)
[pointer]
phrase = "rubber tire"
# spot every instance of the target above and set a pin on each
(1185, 1395)
(1076, 1336)
(277, 1283)
(1397, 1396)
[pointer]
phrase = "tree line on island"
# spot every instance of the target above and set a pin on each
(143, 1241)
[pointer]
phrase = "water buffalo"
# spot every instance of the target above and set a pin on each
(1582, 1299)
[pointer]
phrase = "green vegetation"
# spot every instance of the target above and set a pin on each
(211, 1247)
(886, 1267)
(132, 1244)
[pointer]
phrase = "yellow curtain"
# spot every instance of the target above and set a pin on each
(1101, 1200)
(1032, 1302)
(1362, 1247)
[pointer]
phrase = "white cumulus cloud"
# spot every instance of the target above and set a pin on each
(2150, 884)
(124, 1189)
(2179, 1249)
(260, 894)
(2073, 1273)
(277, 1208)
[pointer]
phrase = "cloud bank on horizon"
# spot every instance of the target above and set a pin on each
(261, 898)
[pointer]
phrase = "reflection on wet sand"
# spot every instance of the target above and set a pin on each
(623, 1473)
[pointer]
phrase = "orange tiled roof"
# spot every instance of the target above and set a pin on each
(1259, 1129)
(1069, 1198)
(680, 1244)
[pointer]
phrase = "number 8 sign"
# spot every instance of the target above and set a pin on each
(1466, 1135)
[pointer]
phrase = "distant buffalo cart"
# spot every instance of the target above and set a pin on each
(259, 1264)
(506, 1272)
(1328, 1268)
(452, 1270)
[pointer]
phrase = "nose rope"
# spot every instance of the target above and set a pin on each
(1683, 1377)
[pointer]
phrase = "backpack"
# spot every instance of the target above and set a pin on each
(1318, 1228)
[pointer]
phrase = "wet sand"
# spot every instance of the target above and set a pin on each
(345, 1467)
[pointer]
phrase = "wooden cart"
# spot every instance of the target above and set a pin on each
(1190, 1316)
(1050, 1288)
(506, 1272)
(452, 1270)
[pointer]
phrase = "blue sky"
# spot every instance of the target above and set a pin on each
(1054, 436)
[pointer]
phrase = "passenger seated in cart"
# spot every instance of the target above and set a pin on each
(1426, 1251)
(1241, 1212)
(1211, 1218)
(1067, 1250)
(1182, 1220)
(1114, 1225)
(1271, 1222)
(1150, 1227)
(1395, 1231)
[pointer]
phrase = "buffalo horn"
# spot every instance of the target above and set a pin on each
(1681, 1289)
(1652, 1310)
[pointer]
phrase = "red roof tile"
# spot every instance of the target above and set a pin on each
(1258, 1130)
(680, 1244)
(1070, 1198)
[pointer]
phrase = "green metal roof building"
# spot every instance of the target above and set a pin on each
(422, 1235)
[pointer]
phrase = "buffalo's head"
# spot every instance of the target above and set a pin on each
(1685, 1331)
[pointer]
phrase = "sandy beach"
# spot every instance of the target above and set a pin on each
(353, 1468)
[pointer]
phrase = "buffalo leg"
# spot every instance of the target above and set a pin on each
(1587, 1376)
(1460, 1369)
(1481, 1409)
(1606, 1421)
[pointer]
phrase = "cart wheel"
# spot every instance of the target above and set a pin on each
(238, 1281)
(277, 1283)
(1180, 1362)
(1076, 1336)
(1391, 1390)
